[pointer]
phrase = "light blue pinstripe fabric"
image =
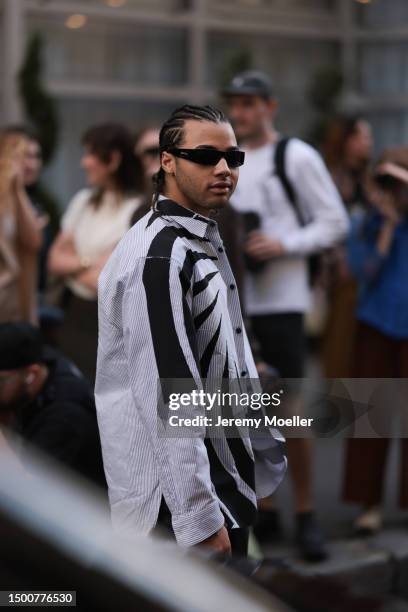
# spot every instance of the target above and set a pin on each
(168, 308)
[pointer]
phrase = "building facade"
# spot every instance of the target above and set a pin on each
(134, 60)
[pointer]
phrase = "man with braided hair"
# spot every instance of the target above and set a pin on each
(168, 311)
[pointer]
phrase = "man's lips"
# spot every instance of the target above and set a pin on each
(221, 186)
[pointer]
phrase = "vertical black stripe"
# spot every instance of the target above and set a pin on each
(235, 443)
(241, 508)
(225, 373)
(191, 332)
(209, 351)
(170, 358)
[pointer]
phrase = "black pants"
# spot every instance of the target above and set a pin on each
(282, 342)
(78, 337)
(239, 541)
(238, 537)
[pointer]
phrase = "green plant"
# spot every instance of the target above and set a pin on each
(40, 108)
(323, 94)
(325, 88)
(42, 114)
(236, 62)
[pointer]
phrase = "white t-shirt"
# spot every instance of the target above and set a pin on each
(96, 230)
(283, 285)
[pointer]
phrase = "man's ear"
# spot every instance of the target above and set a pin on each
(273, 106)
(31, 373)
(168, 162)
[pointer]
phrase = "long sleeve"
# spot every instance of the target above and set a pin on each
(318, 199)
(268, 445)
(159, 331)
(364, 260)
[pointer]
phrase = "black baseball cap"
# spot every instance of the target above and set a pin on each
(250, 83)
(20, 345)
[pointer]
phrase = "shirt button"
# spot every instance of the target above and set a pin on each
(220, 250)
(238, 330)
(232, 286)
(244, 373)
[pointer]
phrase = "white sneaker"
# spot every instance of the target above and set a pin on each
(369, 521)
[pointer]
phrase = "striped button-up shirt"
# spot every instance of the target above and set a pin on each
(169, 309)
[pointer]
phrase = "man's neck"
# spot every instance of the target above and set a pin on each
(180, 199)
(262, 139)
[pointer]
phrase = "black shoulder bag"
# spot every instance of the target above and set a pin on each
(315, 260)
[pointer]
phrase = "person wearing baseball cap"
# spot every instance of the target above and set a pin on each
(378, 258)
(292, 211)
(250, 83)
(46, 400)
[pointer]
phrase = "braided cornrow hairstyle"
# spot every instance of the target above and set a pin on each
(171, 134)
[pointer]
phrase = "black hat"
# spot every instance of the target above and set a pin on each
(250, 83)
(20, 345)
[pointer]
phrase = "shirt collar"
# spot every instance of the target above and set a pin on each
(191, 221)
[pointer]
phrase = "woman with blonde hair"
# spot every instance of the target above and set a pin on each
(20, 235)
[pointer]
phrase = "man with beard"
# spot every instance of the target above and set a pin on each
(169, 311)
(45, 399)
(292, 211)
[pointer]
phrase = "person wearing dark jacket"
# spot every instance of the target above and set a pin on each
(45, 399)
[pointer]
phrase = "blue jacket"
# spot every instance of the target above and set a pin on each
(383, 281)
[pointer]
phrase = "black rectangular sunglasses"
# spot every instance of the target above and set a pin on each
(210, 157)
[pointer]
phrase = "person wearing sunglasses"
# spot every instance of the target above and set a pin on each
(229, 221)
(378, 259)
(169, 312)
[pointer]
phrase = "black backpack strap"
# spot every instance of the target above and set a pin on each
(280, 171)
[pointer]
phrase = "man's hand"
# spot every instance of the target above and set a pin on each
(262, 368)
(260, 247)
(219, 542)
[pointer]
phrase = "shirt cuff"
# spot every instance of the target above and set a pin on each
(290, 243)
(195, 527)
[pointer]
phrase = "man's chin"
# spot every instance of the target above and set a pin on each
(243, 133)
(215, 203)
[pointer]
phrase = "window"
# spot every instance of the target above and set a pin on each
(114, 51)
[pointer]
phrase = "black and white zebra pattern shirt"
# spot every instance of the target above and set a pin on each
(169, 309)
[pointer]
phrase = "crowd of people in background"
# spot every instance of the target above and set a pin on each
(300, 219)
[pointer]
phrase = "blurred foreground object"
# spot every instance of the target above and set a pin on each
(55, 535)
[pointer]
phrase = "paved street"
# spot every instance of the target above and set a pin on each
(336, 516)
(373, 568)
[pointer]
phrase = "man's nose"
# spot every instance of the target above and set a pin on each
(222, 167)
